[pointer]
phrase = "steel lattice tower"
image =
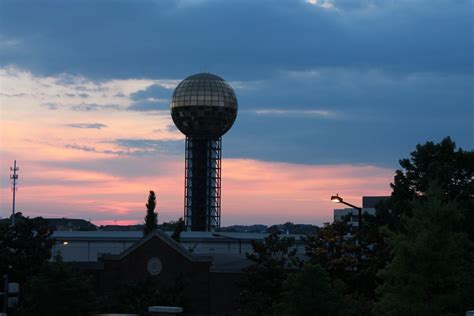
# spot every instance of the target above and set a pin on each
(203, 107)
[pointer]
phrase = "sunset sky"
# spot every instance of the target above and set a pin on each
(332, 93)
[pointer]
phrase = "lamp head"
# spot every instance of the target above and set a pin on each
(336, 198)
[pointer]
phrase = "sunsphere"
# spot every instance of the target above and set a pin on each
(203, 107)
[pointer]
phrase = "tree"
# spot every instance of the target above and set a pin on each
(335, 249)
(262, 285)
(310, 291)
(178, 228)
(441, 165)
(24, 248)
(345, 256)
(58, 289)
(452, 170)
(136, 296)
(432, 269)
(151, 218)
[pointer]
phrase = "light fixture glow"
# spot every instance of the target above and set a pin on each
(65, 243)
(336, 199)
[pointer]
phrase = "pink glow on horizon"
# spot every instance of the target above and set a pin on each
(253, 191)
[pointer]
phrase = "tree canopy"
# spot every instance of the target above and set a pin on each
(432, 269)
(428, 230)
(24, 247)
(262, 286)
(58, 289)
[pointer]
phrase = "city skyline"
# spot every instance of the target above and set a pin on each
(326, 105)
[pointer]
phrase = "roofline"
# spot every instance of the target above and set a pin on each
(168, 240)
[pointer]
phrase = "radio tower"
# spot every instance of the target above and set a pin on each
(14, 177)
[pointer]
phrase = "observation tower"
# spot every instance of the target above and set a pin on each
(203, 107)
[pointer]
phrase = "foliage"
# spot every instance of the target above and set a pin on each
(452, 170)
(310, 291)
(335, 249)
(24, 248)
(432, 270)
(151, 218)
(262, 285)
(137, 296)
(291, 228)
(441, 164)
(347, 258)
(58, 289)
(179, 227)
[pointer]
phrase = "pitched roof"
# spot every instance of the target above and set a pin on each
(166, 239)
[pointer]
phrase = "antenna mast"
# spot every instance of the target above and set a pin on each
(14, 178)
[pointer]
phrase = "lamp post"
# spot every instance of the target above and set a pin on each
(5, 290)
(5, 293)
(337, 199)
(240, 240)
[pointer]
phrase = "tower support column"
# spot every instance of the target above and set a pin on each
(202, 201)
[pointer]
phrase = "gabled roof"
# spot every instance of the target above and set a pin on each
(166, 239)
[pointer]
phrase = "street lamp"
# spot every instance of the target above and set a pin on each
(240, 240)
(337, 199)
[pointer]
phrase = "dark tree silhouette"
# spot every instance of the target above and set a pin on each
(263, 282)
(151, 218)
(432, 269)
(310, 291)
(58, 289)
(24, 248)
(178, 228)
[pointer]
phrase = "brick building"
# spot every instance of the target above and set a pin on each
(211, 278)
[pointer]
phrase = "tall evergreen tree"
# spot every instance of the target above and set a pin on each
(151, 218)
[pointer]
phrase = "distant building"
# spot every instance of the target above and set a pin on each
(350, 215)
(90, 246)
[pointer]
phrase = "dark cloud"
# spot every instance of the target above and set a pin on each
(50, 106)
(87, 125)
(143, 106)
(14, 95)
(153, 98)
(395, 73)
(81, 147)
(389, 111)
(238, 39)
(89, 107)
(134, 147)
(154, 91)
(150, 146)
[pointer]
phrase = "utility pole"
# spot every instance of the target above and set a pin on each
(14, 178)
